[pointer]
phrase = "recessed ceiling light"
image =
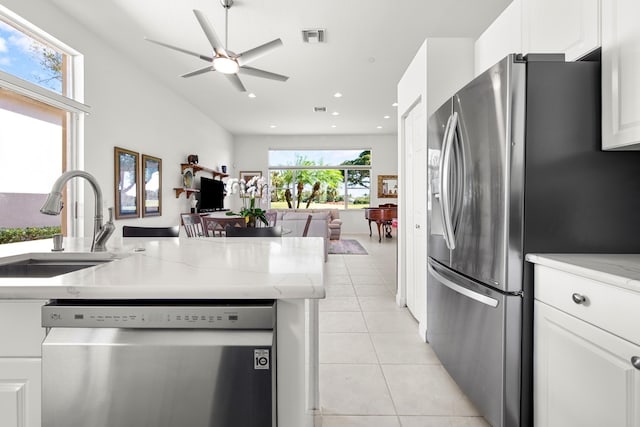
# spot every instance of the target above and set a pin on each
(334, 126)
(337, 95)
(272, 126)
(395, 104)
(252, 95)
(387, 117)
(335, 113)
(379, 127)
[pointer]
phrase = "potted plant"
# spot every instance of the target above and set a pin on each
(251, 193)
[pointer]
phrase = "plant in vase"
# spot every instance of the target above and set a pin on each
(251, 193)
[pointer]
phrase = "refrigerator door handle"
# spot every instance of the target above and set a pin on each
(440, 195)
(445, 193)
(461, 289)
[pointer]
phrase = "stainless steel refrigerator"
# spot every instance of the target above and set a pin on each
(515, 167)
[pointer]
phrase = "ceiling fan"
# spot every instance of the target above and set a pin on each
(225, 61)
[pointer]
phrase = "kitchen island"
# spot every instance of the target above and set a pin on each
(287, 270)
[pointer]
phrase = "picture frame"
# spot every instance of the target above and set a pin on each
(247, 175)
(126, 179)
(388, 186)
(152, 186)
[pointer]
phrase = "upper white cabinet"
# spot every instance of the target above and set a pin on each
(571, 27)
(499, 40)
(620, 75)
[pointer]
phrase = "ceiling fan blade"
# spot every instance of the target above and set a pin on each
(250, 71)
(179, 49)
(235, 81)
(215, 42)
(199, 71)
(252, 54)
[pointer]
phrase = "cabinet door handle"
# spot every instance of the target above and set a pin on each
(578, 299)
(635, 361)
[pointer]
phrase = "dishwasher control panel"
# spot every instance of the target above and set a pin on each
(256, 316)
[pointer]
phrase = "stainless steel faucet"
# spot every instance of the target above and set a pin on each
(53, 206)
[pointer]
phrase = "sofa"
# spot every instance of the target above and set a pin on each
(334, 221)
(295, 222)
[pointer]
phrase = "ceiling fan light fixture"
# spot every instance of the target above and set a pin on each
(225, 65)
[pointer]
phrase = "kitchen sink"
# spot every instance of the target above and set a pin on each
(49, 265)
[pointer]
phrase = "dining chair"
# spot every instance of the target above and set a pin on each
(214, 227)
(130, 231)
(192, 225)
(272, 219)
(253, 231)
(306, 226)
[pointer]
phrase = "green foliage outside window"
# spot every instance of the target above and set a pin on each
(322, 187)
(12, 235)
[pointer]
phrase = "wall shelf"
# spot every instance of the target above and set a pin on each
(196, 169)
(188, 191)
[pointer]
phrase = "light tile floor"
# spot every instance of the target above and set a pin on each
(374, 369)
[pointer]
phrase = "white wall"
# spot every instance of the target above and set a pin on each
(251, 153)
(133, 110)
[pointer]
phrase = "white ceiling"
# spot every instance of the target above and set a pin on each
(369, 44)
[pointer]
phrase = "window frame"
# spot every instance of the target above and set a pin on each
(71, 102)
(344, 168)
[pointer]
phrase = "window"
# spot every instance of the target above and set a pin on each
(39, 127)
(320, 178)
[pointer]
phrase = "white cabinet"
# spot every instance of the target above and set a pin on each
(571, 27)
(586, 342)
(20, 389)
(620, 71)
(504, 36)
(20, 363)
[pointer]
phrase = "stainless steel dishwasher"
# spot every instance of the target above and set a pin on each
(159, 364)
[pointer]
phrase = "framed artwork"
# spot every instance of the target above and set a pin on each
(126, 183)
(152, 187)
(247, 175)
(388, 186)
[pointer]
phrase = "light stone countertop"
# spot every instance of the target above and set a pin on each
(178, 268)
(622, 270)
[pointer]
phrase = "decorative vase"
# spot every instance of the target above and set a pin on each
(251, 221)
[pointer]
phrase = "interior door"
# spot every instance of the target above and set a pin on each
(414, 131)
(407, 125)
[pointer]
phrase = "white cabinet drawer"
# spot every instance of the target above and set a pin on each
(21, 333)
(608, 307)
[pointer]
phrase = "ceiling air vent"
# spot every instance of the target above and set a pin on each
(313, 36)
(320, 109)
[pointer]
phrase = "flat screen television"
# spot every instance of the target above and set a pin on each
(211, 195)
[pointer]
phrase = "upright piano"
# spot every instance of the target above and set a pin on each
(383, 216)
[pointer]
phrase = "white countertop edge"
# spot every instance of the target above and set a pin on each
(71, 292)
(621, 270)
